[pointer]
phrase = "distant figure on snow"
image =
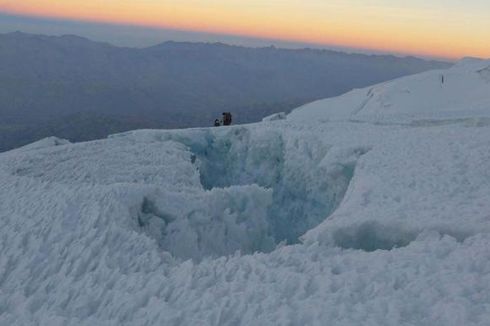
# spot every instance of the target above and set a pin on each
(226, 118)
(217, 123)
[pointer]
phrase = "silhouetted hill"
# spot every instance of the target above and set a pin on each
(72, 87)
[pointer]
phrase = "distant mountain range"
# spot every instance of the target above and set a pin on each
(78, 89)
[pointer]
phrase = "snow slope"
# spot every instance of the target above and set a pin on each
(367, 209)
(416, 99)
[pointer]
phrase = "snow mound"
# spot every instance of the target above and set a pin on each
(368, 209)
(44, 143)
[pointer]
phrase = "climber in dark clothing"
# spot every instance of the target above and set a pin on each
(217, 123)
(226, 118)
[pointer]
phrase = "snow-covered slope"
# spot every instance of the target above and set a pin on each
(458, 93)
(367, 209)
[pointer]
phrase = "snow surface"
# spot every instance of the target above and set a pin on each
(368, 209)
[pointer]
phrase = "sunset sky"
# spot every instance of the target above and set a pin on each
(439, 28)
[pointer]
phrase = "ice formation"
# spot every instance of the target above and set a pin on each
(367, 209)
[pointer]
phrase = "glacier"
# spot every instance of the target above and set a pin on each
(366, 209)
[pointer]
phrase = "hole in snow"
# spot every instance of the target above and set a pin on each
(261, 190)
(372, 236)
(303, 192)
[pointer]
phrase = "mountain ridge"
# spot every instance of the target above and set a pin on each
(45, 79)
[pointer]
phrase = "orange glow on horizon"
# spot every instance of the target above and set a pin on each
(392, 29)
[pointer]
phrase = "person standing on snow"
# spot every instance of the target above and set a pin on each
(226, 118)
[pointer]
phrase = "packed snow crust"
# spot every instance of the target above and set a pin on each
(367, 209)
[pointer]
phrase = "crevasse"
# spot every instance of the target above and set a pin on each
(266, 186)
